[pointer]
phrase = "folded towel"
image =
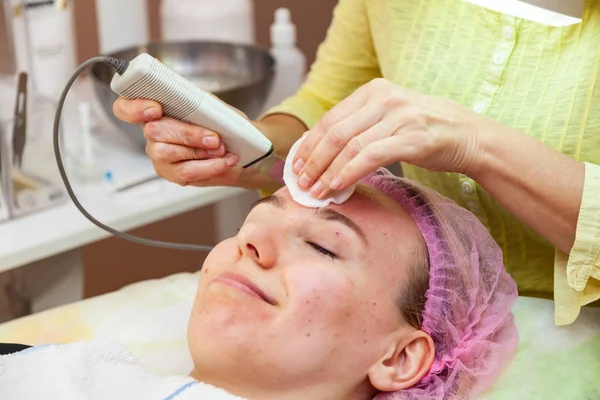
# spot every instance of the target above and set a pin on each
(93, 370)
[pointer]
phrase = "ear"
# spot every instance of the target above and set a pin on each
(407, 360)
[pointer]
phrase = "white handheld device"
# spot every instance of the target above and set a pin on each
(147, 78)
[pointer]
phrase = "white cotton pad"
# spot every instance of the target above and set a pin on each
(304, 197)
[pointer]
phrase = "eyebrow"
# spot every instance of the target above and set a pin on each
(325, 214)
(274, 200)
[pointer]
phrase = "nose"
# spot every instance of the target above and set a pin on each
(257, 243)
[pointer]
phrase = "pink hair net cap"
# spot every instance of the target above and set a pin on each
(469, 300)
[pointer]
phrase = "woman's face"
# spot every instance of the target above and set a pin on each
(302, 296)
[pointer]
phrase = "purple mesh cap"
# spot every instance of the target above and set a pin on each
(470, 296)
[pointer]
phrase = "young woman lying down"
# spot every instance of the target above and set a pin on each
(397, 293)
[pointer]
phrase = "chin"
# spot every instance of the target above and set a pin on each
(221, 350)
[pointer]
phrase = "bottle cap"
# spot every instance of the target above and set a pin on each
(283, 31)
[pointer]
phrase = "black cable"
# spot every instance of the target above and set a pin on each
(120, 66)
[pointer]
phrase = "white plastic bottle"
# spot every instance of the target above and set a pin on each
(44, 43)
(222, 20)
(290, 68)
(122, 24)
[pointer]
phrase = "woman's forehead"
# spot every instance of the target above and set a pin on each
(368, 205)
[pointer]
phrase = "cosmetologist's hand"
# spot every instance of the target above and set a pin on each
(181, 153)
(382, 123)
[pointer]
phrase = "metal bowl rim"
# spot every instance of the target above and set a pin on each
(251, 47)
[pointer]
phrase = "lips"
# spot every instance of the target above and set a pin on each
(244, 284)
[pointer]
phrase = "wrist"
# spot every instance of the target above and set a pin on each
(272, 131)
(487, 148)
(282, 130)
(253, 179)
(272, 166)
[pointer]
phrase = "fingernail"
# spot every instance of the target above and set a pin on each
(336, 183)
(232, 160)
(316, 189)
(305, 134)
(304, 181)
(210, 142)
(324, 194)
(152, 113)
(298, 165)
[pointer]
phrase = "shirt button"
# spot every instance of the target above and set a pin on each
(467, 188)
(498, 58)
(508, 32)
(479, 108)
(473, 206)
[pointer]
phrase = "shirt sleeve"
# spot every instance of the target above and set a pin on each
(345, 61)
(577, 276)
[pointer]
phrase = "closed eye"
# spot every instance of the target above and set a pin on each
(322, 250)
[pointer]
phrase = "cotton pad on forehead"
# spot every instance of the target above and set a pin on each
(304, 197)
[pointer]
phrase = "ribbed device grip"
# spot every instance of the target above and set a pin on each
(178, 96)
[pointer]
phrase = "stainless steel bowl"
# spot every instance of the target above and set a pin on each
(240, 75)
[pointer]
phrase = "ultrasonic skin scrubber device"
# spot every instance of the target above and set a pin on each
(147, 78)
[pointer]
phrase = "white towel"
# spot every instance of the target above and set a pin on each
(93, 370)
(303, 197)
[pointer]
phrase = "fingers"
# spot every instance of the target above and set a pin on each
(345, 108)
(171, 131)
(185, 173)
(162, 152)
(137, 111)
(168, 130)
(186, 154)
(375, 155)
(334, 141)
(180, 152)
(382, 130)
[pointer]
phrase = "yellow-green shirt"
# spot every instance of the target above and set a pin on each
(538, 79)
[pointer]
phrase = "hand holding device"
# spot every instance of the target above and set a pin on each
(149, 79)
